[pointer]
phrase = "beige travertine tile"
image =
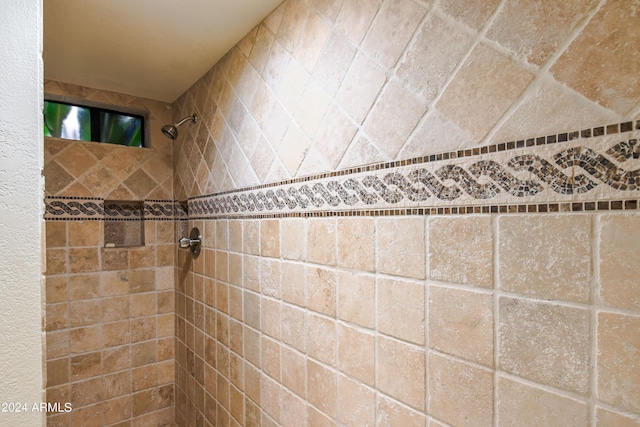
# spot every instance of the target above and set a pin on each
(461, 250)
(292, 24)
(392, 119)
(400, 307)
(360, 87)
(82, 286)
(117, 384)
(293, 148)
(356, 403)
(533, 256)
(83, 260)
(459, 393)
(356, 353)
(56, 289)
(270, 238)
(312, 108)
(461, 323)
(56, 234)
(58, 372)
(143, 353)
(321, 290)
(322, 339)
(321, 241)
(618, 245)
(57, 344)
(270, 317)
(56, 261)
(76, 159)
(544, 27)
(89, 416)
(116, 359)
(391, 30)
(260, 52)
(270, 277)
(222, 266)
(84, 233)
(334, 63)
(292, 239)
(142, 257)
(315, 33)
(322, 384)
(355, 243)
(294, 410)
(118, 409)
(271, 351)
(523, 405)
(294, 327)
(142, 305)
(401, 371)
(115, 308)
(85, 366)
(605, 417)
(401, 247)
(235, 236)
(392, 413)
(618, 370)
(548, 110)
(85, 339)
(294, 376)
(57, 178)
(114, 283)
(142, 280)
(355, 17)
(270, 398)
(361, 152)
(317, 418)
(356, 298)
(334, 136)
(595, 64)
(293, 287)
(114, 259)
(434, 53)
(84, 312)
(474, 14)
(546, 343)
(488, 83)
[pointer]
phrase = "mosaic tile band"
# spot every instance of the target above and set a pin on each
(589, 170)
(64, 208)
(566, 172)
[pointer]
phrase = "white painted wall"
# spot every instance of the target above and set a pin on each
(21, 192)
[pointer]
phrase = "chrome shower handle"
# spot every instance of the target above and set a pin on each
(193, 242)
(185, 242)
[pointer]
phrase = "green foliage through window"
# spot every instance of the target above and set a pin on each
(81, 123)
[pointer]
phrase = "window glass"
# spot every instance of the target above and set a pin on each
(81, 123)
(67, 121)
(120, 129)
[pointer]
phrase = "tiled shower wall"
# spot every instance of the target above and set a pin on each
(525, 316)
(110, 311)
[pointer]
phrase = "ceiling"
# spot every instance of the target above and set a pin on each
(149, 48)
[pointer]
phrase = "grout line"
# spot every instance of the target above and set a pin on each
(495, 226)
(596, 228)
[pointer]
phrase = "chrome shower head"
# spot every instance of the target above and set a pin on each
(171, 131)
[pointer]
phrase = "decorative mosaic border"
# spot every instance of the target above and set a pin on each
(78, 208)
(589, 170)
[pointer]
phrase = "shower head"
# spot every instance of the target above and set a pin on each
(171, 131)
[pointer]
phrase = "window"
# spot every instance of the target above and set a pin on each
(84, 123)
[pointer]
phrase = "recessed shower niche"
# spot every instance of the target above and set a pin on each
(124, 223)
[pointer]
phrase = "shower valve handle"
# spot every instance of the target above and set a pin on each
(193, 242)
(185, 242)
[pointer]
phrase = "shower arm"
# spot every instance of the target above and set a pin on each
(194, 118)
